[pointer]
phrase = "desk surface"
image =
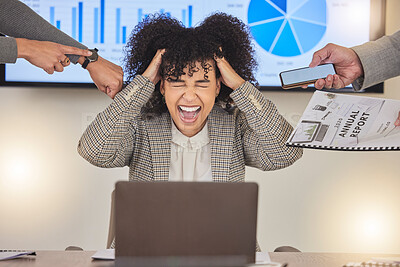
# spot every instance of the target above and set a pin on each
(294, 259)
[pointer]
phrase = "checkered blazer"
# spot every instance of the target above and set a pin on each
(254, 134)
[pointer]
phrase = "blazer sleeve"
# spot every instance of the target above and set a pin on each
(109, 140)
(380, 60)
(264, 130)
(17, 20)
(8, 51)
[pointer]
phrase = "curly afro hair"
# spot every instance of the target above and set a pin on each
(219, 34)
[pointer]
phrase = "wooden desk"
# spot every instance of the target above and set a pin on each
(83, 258)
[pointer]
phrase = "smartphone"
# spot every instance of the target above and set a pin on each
(305, 76)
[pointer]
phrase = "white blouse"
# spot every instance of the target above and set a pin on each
(190, 157)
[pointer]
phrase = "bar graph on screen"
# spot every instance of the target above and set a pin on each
(186, 15)
(76, 20)
(86, 20)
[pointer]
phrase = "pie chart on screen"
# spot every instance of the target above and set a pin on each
(287, 28)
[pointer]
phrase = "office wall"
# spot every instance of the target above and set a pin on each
(51, 198)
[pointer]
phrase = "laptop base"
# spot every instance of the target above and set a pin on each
(183, 261)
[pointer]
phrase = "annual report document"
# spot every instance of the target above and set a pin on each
(348, 122)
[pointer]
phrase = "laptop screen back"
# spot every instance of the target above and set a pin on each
(180, 219)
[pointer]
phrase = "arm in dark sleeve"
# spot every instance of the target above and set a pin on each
(8, 51)
(19, 21)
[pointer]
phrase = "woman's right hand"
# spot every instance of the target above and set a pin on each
(153, 70)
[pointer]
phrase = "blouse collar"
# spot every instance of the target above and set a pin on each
(195, 142)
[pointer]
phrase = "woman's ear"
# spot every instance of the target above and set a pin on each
(162, 90)
(218, 86)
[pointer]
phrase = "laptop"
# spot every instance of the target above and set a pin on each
(185, 223)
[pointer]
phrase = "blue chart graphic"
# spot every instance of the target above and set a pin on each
(81, 18)
(287, 28)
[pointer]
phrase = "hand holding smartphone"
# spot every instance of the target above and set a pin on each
(305, 76)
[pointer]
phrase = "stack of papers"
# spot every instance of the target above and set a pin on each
(377, 262)
(104, 254)
(8, 255)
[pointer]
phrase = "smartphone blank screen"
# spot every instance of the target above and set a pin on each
(306, 74)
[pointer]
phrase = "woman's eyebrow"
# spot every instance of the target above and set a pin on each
(203, 81)
(176, 81)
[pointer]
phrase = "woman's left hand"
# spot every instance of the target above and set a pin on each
(153, 70)
(229, 77)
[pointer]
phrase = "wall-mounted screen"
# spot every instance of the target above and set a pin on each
(286, 32)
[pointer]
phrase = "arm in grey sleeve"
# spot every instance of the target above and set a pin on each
(380, 60)
(8, 51)
(19, 21)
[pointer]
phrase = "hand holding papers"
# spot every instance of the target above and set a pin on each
(347, 122)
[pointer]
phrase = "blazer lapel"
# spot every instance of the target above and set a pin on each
(159, 130)
(221, 130)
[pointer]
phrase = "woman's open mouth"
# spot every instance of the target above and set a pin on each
(189, 114)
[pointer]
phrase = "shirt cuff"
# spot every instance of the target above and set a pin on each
(358, 84)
